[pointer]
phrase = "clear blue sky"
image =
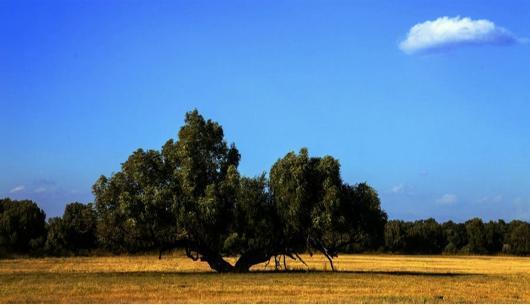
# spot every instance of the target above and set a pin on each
(443, 134)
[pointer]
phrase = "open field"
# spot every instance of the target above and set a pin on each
(177, 279)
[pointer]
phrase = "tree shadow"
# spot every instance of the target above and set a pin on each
(260, 272)
(376, 272)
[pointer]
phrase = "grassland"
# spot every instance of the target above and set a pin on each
(177, 279)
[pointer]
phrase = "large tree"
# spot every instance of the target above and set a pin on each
(191, 195)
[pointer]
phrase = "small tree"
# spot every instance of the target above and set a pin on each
(75, 232)
(425, 236)
(56, 239)
(475, 236)
(494, 232)
(455, 235)
(22, 226)
(396, 236)
(519, 237)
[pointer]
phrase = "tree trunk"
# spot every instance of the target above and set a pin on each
(214, 259)
(250, 259)
(217, 263)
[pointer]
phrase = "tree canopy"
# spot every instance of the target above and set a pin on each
(75, 232)
(191, 194)
(22, 226)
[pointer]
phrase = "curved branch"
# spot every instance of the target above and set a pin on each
(300, 259)
(328, 254)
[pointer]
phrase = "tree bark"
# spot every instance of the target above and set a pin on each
(214, 259)
(217, 263)
(250, 259)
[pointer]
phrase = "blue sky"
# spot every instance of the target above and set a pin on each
(440, 127)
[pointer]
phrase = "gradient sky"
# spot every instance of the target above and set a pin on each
(443, 134)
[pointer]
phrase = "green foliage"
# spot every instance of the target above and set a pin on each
(471, 237)
(422, 236)
(476, 237)
(183, 195)
(494, 235)
(518, 238)
(317, 211)
(135, 206)
(22, 226)
(395, 236)
(255, 218)
(56, 240)
(205, 167)
(455, 235)
(304, 198)
(191, 195)
(365, 219)
(74, 233)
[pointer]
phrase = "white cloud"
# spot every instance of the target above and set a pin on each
(491, 199)
(17, 189)
(447, 199)
(446, 32)
(401, 189)
(41, 189)
(398, 189)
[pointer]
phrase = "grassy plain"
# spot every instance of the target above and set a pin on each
(177, 279)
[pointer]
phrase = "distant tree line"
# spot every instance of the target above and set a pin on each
(471, 237)
(24, 230)
(190, 195)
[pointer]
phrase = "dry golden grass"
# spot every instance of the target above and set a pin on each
(177, 279)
